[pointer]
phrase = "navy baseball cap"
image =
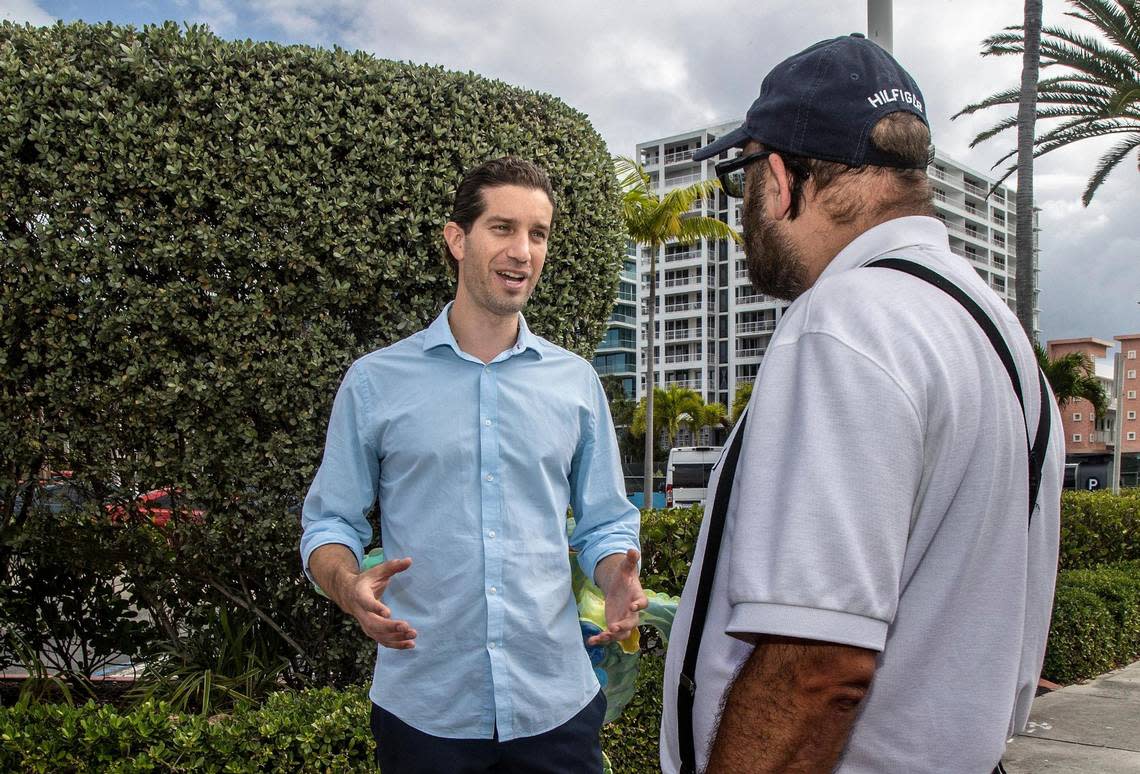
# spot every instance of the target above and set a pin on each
(823, 102)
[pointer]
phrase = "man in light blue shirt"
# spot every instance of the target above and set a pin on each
(472, 437)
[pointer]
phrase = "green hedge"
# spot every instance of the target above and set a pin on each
(1099, 528)
(316, 730)
(313, 730)
(198, 237)
(1096, 622)
(668, 540)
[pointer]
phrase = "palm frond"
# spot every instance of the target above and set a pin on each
(1107, 163)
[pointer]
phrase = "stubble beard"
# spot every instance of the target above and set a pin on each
(775, 265)
(482, 291)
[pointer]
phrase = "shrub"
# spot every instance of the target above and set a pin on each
(1099, 528)
(668, 540)
(1096, 622)
(315, 730)
(198, 237)
(631, 741)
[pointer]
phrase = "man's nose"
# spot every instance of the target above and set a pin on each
(519, 248)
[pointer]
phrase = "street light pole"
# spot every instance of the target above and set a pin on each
(879, 23)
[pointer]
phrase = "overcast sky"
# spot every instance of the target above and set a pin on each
(643, 70)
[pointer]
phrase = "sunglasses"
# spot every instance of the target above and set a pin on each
(731, 173)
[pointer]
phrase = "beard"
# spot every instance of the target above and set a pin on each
(775, 265)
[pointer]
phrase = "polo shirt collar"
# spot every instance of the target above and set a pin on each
(894, 234)
(439, 334)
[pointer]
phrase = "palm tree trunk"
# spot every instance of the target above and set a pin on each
(650, 436)
(1025, 283)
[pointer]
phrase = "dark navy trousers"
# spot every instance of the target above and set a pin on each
(572, 748)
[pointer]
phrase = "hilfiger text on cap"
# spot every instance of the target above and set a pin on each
(881, 97)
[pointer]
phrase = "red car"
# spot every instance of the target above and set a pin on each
(157, 507)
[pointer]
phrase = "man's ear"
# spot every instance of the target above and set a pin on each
(779, 198)
(455, 236)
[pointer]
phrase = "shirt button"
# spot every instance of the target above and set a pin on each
(491, 534)
(491, 645)
(489, 477)
(494, 590)
(487, 422)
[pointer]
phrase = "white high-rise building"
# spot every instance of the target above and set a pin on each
(712, 327)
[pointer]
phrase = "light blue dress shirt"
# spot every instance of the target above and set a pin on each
(474, 465)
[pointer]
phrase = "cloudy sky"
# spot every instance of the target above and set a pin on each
(642, 70)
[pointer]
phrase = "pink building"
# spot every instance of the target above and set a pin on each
(1089, 441)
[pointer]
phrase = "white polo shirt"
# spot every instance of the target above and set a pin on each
(880, 501)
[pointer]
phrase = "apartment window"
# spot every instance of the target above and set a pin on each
(1131, 414)
(1131, 437)
(1132, 394)
(1131, 354)
(1076, 437)
(1076, 416)
(1132, 374)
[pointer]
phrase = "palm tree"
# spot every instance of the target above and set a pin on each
(705, 415)
(1098, 93)
(652, 220)
(740, 401)
(1073, 377)
(674, 407)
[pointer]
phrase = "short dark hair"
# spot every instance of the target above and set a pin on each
(907, 191)
(469, 203)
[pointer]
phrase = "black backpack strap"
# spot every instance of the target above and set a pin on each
(687, 683)
(1039, 446)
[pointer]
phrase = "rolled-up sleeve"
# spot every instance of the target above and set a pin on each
(606, 522)
(344, 489)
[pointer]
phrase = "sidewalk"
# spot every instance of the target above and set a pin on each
(1092, 727)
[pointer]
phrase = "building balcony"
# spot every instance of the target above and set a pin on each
(683, 255)
(606, 370)
(684, 307)
(759, 298)
(688, 334)
(690, 357)
(627, 319)
(678, 282)
(756, 352)
(976, 190)
(672, 157)
(692, 384)
(680, 180)
(757, 326)
(1106, 437)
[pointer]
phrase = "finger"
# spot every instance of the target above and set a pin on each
(639, 603)
(600, 639)
(389, 568)
(633, 556)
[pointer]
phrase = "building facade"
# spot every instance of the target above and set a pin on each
(712, 327)
(1090, 442)
(616, 355)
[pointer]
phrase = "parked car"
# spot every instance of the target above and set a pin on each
(156, 506)
(687, 474)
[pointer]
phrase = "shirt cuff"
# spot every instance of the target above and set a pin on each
(588, 560)
(807, 623)
(328, 540)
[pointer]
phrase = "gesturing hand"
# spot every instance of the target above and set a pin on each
(362, 599)
(616, 576)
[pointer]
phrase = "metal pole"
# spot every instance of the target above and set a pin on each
(879, 24)
(1118, 419)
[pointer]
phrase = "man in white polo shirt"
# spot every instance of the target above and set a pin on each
(881, 594)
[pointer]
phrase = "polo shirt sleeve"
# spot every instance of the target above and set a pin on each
(344, 489)
(606, 522)
(828, 477)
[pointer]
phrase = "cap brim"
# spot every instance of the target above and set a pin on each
(737, 138)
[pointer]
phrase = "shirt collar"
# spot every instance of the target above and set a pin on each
(894, 234)
(439, 334)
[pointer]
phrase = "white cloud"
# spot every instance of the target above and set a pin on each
(25, 11)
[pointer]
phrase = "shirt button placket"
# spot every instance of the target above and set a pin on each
(492, 507)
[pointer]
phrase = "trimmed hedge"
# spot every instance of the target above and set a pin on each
(1096, 622)
(198, 237)
(313, 730)
(668, 541)
(316, 730)
(1099, 528)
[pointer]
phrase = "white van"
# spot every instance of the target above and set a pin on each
(687, 475)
